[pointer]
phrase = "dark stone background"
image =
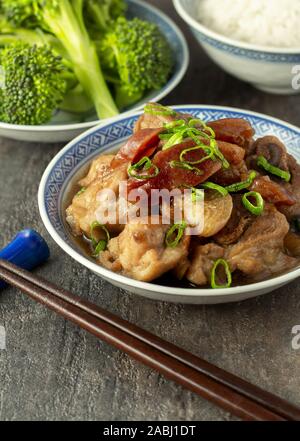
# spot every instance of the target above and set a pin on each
(53, 370)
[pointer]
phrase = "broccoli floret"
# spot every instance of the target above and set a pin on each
(64, 19)
(19, 12)
(34, 82)
(136, 57)
(101, 13)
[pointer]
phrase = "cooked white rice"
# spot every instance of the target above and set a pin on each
(263, 22)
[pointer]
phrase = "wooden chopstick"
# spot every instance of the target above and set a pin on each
(229, 392)
(266, 399)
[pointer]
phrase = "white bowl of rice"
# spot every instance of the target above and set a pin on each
(257, 41)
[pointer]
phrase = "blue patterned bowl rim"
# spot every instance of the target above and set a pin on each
(213, 38)
(99, 139)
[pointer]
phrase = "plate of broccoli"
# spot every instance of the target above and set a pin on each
(66, 65)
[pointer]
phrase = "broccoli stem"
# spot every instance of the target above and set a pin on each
(100, 14)
(36, 37)
(76, 101)
(67, 24)
(90, 76)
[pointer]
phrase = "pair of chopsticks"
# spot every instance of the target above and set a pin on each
(226, 390)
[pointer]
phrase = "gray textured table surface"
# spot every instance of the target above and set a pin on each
(53, 370)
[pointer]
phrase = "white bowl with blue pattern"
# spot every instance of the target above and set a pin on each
(64, 126)
(64, 168)
(269, 69)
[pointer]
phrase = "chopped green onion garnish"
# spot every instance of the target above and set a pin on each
(157, 109)
(242, 185)
(212, 145)
(144, 164)
(194, 122)
(197, 194)
(175, 124)
(212, 186)
(176, 131)
(82, 190)
(99, 245)
(173, 140)
(219, 154)
(224, 263)
(102, 244)
(192, 149)
(185, 166)
(197, 134)
(176, 228)
(262, 162)
(254, 209)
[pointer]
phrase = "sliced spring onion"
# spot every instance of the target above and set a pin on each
(185, 166)
(177, 229)
(144, 164)
(82, 190)
(224, 263)
(197, 193)
(242, 185)
(157, 109)
(177, 131)
(211, 186)
(219, 154)
(188, 130)
(206, 149)
(175, 124)
(195, 122)
(254, 209)
(99, 245)
(175, 139)
(212, 145)
(262, 162)
(197, 134)
(102, 244)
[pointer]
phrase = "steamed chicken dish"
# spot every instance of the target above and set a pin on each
(250, 191)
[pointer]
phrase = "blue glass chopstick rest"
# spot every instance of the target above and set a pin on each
(27, 250)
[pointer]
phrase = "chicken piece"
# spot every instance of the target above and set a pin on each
(140, 251)
(292, 244)
(238, 223)
(99, 169)
(261, 249)
(202, 262)
(181, 269)
(83, 210)
(232, 175)
(110, 257)
(217, 212)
